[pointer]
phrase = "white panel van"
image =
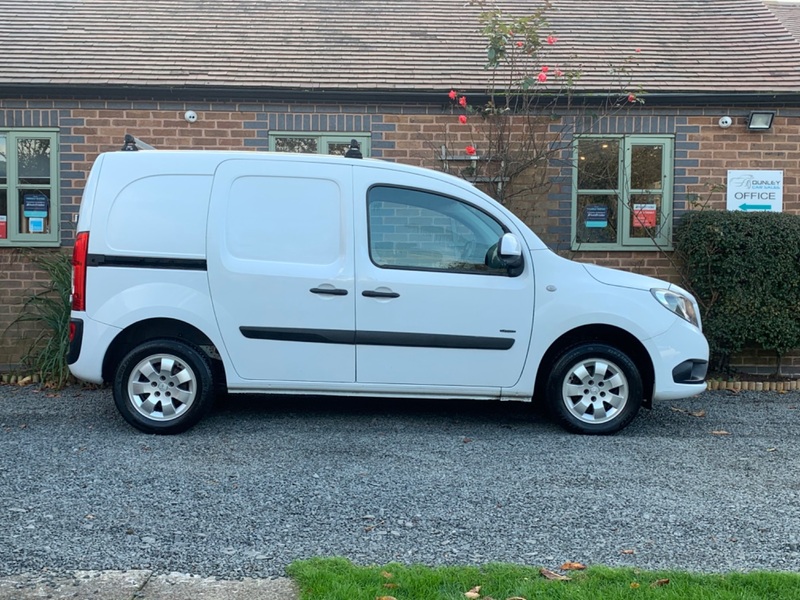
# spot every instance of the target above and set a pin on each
(198, 271)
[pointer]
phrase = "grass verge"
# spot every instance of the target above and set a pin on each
(339, 579)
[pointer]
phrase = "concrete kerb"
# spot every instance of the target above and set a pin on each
(141, 585)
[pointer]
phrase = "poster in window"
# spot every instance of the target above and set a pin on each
(644, 215)
(596, 215)
(35, 205)
(36, 225)
(3, 227)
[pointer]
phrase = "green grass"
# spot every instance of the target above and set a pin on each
(339, 579)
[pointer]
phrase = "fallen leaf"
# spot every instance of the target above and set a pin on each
(386, 574)
(573, 566)
(516, 598)
(629, 552)
(467, 440)
(391, 586)
(720, 432)
(548, 574)
(473, 593)
(385, 598)
(692, 413)
(771, 449)
(634, 585)
(659, 582)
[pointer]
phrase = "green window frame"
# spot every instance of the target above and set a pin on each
(29, 187)
(622, 192)
(308, 142)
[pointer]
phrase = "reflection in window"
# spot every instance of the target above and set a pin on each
(304, 145)
(420, 230)
(3, 161)
(646, 161)
(598, 166)
(597, 219)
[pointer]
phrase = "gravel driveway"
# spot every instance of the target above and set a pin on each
(262, 482)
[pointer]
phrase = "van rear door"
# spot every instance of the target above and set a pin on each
(280, 268)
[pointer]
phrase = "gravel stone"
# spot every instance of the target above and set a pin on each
(264, 481)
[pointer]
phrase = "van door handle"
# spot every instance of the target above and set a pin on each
(374, 294)
(329, 291)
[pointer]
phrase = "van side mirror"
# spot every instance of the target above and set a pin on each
(506, 253)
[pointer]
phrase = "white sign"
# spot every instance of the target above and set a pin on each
(753, 191)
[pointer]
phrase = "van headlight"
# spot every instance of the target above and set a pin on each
(683, 306)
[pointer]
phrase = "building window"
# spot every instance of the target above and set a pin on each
(317, 143)
(622, 192)
(29, 187)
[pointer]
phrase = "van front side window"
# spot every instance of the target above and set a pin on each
(415, 229)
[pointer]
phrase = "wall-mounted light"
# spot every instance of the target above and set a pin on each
(760, 120)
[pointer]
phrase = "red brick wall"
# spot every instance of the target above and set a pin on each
(411, 134)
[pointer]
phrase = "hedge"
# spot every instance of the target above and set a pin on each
(744, 269)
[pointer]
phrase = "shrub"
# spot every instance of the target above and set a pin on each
(49, 308)
(744, 269)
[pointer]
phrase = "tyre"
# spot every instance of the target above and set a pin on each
(594, 389)
(164, 386)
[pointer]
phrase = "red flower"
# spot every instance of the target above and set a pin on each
(463, 101)
(545, 69)
(559, 72)
(551, 39)
(542, 77)
(631, 98)
(520, 44)
(638, 50)
(462, 119)
(453, 94)
(470, 150)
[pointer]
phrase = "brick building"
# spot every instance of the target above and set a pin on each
(75, 76)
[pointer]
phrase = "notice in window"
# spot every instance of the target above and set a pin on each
(3, 227)
(35, 205)
(596, 215)
(36, 225)
(644, 215)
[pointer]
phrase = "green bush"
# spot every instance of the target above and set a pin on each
(49, 308)
(744, 269)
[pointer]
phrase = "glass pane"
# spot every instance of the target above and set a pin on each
(34, 210)
(3, 214)
(646, 218)
(305, 145)
(597, 219)
(338, 148)
(3, 168)
(646, 167)
(598, 164)
(33, 161)
(414, 229)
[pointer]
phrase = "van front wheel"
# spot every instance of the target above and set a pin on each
(594, 389)
(164, 386)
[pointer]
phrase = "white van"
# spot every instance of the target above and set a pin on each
(198, 271)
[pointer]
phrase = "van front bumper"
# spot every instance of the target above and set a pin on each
(680, 359)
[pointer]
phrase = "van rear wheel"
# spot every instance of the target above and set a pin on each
(594, 389)
(164, 386)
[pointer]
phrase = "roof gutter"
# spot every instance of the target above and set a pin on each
(264, 94)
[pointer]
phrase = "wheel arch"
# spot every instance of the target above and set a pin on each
(159, 328)
(606, 334)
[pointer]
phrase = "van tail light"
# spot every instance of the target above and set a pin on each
(79, 257)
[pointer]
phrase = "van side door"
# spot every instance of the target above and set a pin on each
(430, 311)
(280, 268)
